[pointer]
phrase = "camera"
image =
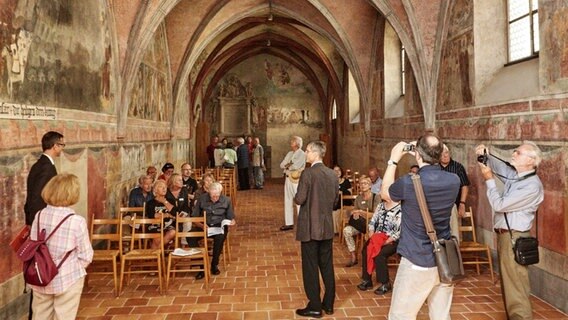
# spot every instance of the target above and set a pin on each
(408, 147)
(483, 157)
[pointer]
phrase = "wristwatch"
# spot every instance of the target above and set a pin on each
(391, 162)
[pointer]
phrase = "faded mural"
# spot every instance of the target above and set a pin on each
(456, 71)
(55, 52)
(151, 91)
(278, 95)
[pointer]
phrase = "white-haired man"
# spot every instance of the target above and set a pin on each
(514, 212)
(293, 164)
(217, 208)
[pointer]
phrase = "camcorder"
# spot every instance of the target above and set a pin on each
(408, 147)
(482, 158)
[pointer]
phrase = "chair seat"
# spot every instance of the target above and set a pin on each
(105, 254)
(142, 254)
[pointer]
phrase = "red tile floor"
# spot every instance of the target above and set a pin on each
(263, 281)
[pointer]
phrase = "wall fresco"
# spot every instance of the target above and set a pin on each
(151, 91)
(55, 52)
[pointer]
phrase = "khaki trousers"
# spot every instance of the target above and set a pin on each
(61, 306)
(290, 190)
(455, 223)
(515, 285)
(412, 286)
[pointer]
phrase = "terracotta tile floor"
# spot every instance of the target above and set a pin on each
(263, 281)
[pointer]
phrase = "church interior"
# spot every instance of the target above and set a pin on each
(138, 83)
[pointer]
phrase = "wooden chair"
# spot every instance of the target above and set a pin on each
(127, 224)
(141, 258)
(180, 263)
(343, 212)
(106, 233)
(473, 252)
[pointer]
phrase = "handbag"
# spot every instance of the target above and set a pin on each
(20, 238)
(525, 249)
(447, 252)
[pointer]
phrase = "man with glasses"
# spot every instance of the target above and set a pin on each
(41, 172)
(522, 194)
(317, 191)
(52, 144)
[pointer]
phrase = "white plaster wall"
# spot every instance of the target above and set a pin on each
(490, 40)
(393, 69)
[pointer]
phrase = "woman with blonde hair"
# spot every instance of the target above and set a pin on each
(160, 207)
(365, 202)
(60, 298)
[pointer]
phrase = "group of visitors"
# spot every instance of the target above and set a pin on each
(397, 226)
(247, 155)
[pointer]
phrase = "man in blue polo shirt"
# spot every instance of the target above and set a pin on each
(417, 276)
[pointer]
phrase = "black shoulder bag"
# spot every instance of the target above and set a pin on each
(525, 249)
(447, 252)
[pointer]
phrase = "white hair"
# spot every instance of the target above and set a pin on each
(534, 152)
(298, 141)
(216, 186)
(241, 140)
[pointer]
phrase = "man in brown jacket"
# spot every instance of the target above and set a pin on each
(316, 194)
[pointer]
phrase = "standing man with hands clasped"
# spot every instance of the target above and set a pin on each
(317, 192)
(521, 196)
(417, 278)
(293, 164)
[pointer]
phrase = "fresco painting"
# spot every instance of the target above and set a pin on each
(54, 52)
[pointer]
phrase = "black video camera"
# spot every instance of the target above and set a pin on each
(483, 157)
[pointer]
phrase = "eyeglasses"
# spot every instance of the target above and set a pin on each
(523, 154)
(60, 144)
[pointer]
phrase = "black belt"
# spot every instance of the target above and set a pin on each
(501, 231)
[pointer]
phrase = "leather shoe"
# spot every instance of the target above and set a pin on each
(285, 228)
(308, 313)
(200, 275)
(215, 271)
(328, 311)
(365, 285)
(351, 264)
(383, 289)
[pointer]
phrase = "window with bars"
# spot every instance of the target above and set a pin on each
(523, 29)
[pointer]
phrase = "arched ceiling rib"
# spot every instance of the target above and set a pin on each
(211, 27)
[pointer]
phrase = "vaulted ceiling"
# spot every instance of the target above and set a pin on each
(208, 37)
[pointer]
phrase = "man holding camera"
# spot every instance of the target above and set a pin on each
(521, 196)
(417, 278)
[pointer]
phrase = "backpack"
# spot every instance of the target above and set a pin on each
(39, 268)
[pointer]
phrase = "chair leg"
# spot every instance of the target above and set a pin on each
(122, 262)
(160, 273)
(168, 273)
(490, 264)
(114, 275)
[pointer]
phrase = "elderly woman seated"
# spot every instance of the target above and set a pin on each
(384, 232)
(365, 202)
(160, 207)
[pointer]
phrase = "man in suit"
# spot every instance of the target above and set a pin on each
(316, 195)
(41, 172)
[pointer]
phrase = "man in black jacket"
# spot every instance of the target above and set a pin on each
(41, 172)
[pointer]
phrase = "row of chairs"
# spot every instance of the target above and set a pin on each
(108, 235)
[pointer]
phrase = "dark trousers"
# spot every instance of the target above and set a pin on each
(381, 267)
(317, 256)
(218, 241)
(244, 179)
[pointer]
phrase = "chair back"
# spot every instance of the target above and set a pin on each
(193, 233)
(142, 232)
(106, 230)
(469, 227)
